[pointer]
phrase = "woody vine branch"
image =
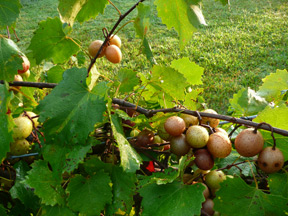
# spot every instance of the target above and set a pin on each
(121, 17)
(150, 113)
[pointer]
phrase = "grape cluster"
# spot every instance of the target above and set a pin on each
(111, 51)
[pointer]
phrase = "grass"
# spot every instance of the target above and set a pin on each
(240, 46)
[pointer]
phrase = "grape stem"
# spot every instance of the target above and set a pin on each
(121, 17)
(162, 166)
(8, 32)
(115, 7)
(272, 132)
(234, 164)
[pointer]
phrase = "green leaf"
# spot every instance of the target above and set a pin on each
(68, 10)
(71, 110)
(89, 195)
(3, 210)
(91, 9)
(247, 102)
(128, 80)
(10, 61)
(64, 158)
(181, 15)
(168, 176)
(54, 74)
(93, 77)
(6, 121)
(123, 187)
(234, 194)
(190, 70)
(123, 190)
(9, 12)
(46, 185)
(50, 42)
(193, 99)
(146, 50)
(233, 157)
(273, 84)
(142, 21)
(278, 184)
(130, 160)
(172, 199)
(277, 117)
(56, 211)
(21, 190)
(169, 81)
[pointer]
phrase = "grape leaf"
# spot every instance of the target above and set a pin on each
(142, 21)
(130, 160)
(3, 210)
(193, 98)
(182, 15)
(54, 74)
(9, 12)
(168, 176)
(233, 157)
(273, 84)
(19, 209)
(196, 16)
(128, 80)
(91, 9)
(71, 109)
(190, 70)
(123, 190)
(277, 117)
(89, 195)
(123, 187)
(56, 211)
(50, 42)
(235, 193)
(164, 78)
(68, 10)
(46, 186)
(22, 191)
(6, 121)
(10, 61)
(247, 102)
(141, 25)
(278, 184)
(93, 77)
(64, 158)
(146, 50)
(185, 199)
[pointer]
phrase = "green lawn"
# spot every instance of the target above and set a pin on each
(240, 45)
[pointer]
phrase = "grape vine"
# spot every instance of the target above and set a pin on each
(131, 142)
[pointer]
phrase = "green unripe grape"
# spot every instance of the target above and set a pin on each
(19, 147)
(23, 128)
(197, 136)
(214, 178)
(31, 115)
